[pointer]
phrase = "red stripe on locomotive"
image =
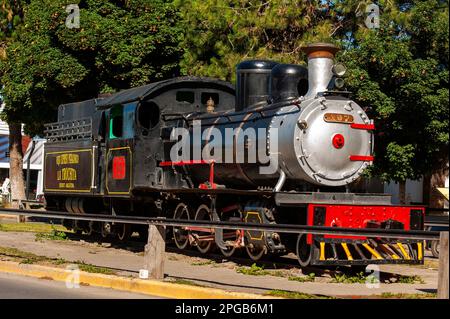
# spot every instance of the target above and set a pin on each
(354, 216)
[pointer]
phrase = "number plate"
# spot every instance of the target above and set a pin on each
(338, 118)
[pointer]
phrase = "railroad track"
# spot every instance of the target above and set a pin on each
(436, 221)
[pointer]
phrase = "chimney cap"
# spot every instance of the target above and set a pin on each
(320, 50)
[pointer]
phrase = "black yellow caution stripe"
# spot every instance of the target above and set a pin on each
(377, 251)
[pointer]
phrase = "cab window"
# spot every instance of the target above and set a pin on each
(121, 123)
(116, 122)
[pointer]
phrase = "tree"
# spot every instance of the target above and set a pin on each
(11, 15)
(401, 71)
(119, 44)
(221, 33)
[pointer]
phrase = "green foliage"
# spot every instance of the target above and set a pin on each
(24, 257)
(10, 20)
(409, 279)
(32, 227)
(309, 278)
(388, 295)
(55, 234)
(94, 269)
(119, 44)
(401, 72)
(294, 295)
(181, 281)
(203, 263)
(221, 33)
(359, 278)
(59, 261)
(253, 270)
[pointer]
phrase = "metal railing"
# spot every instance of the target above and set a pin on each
(69, 130)
(282, 228)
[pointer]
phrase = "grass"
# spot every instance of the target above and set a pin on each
(43, 231)
(54, 234)
(277, 273)
(203, 263)
(253, 270)
(94, 269)
(294, 295)
(409, 280)
(25, 257)
(30, 258)
(28, 261)
(31, 227)
(59, 261)
(359, 278)
(388, 295)
(184, 282)
(309, 278)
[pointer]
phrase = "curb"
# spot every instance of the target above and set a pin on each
(149, 287)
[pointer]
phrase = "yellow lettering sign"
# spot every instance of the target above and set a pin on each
(69, 158)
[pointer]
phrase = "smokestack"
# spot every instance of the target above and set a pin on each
(320, 64)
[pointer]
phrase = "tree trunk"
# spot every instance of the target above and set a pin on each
(402, 192)
(426, 189)
(16, 164)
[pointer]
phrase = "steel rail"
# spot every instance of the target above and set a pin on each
(437, 220)
(282, 228)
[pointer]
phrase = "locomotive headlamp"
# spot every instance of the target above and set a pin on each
(339, 69)
(339, 83)
(338, 141)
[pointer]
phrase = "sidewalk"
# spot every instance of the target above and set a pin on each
(223, 275)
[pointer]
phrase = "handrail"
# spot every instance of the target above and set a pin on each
(282, 228)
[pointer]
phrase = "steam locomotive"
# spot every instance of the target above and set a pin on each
(284, 147)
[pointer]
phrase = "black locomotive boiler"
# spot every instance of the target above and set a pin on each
(284, 147)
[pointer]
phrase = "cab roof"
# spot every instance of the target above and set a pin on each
(146, 91)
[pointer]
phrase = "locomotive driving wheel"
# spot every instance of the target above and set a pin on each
(78, 228)
(231, 236)
(180, 234)
(255, 252)
(303, 250)
(204, 245)
(123, 232)
(90, 228)
(229, 251)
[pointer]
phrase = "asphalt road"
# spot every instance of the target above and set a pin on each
(18, 287)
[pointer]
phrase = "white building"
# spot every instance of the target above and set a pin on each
(36, 161)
